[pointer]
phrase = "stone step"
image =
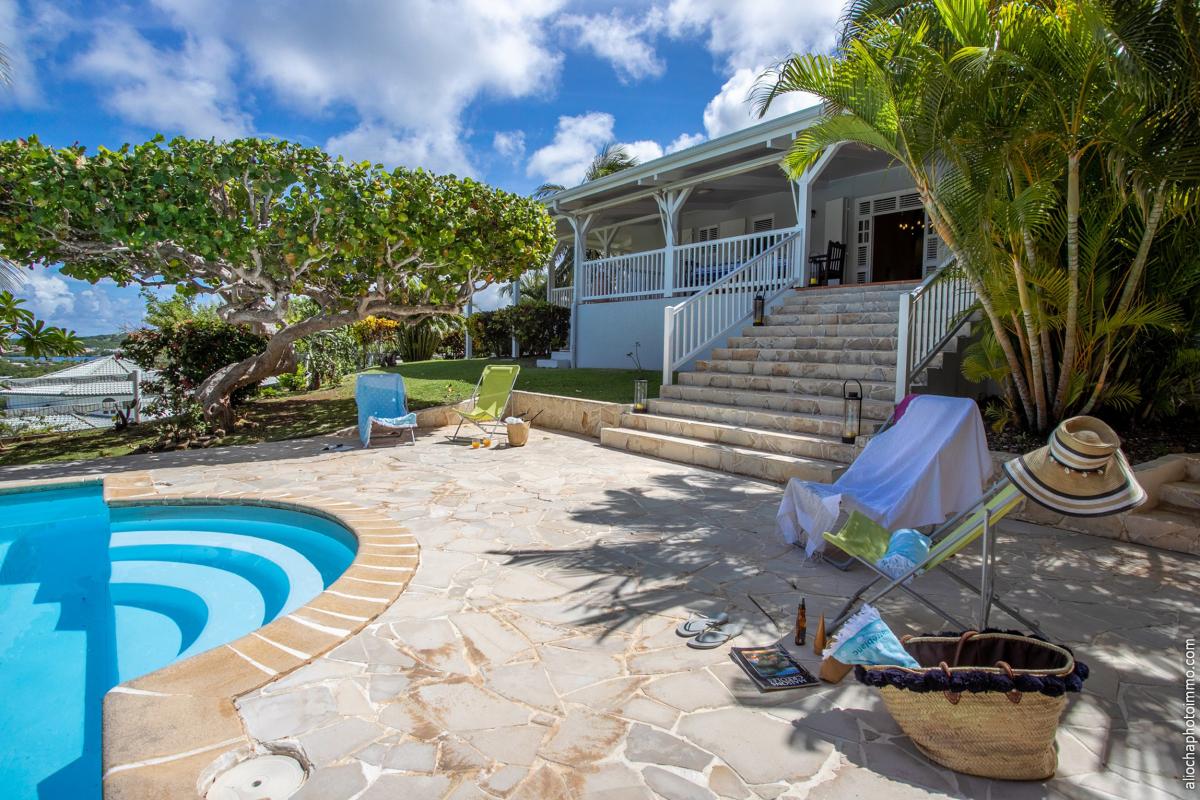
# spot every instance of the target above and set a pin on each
(789, 307)
(801, 369)
(803, 445)
(1184, 494)
(835, 318)
(806, 355)
(760, 419)
(875, 329)
(878, 343)
(856, 290)
(1168, 527)
(799, 386)
(878, 410)
(723, 457)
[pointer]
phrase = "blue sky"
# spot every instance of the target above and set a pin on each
(514, 92)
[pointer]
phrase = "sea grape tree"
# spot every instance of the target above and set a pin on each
(259, 224)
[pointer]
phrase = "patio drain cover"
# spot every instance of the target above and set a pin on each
(262, 778)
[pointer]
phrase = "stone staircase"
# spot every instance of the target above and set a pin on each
(1172, 520)
(769, 405)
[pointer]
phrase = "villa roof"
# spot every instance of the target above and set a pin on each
(758, 147)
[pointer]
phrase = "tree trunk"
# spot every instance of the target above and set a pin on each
(214, 392)
(1132, 281)
(1071, 333)
(1033, 341)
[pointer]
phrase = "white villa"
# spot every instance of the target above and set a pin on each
(670, 256)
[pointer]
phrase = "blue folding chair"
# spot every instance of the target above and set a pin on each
(381, 403)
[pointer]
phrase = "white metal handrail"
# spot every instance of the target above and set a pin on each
(697, 322)
(930, 316)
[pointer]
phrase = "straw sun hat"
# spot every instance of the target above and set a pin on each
(1081, 472)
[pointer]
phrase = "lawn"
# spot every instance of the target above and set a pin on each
(291, 416)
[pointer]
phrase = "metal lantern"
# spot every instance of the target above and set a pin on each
(760, 309)
(639, 396)
(851, 411)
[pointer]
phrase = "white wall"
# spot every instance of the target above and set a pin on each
(607, 331)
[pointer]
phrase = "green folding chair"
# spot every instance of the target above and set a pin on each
(491, 398)
(866, 541)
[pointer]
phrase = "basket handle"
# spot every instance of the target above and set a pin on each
(1014, 696)
(952, 697)
(962, 640)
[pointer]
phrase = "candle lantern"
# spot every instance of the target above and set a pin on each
(851, 411)
(760, 309)
(639, 397)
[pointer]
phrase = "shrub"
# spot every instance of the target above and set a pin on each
(453, 344)
(418, 342)
(538, 325)
(490, 334)
(184, 353)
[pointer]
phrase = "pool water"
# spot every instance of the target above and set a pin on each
(92, 597)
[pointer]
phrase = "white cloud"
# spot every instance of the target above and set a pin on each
(685, 140)
(747, 39)
(189, 88)
(576, 141)
(621, 41)
(643, 150)
(509, 144)
(731, 110)
(439, 152)
(45, 294)
(760, 33)
(408, 70)
(27, 33)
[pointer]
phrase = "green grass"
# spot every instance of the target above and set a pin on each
(292, 416)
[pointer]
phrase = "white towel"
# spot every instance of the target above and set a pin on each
(930, 465)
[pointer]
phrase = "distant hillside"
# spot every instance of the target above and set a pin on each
(104, 343)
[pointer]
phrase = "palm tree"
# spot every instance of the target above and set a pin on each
(1039, 137)
(612, 158)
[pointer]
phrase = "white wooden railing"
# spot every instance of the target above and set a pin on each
(704, 263)
(930, 316)
(633, 275)
(562, 295)
(694, 324)
(693, 267)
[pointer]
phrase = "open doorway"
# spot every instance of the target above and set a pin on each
(898, 245)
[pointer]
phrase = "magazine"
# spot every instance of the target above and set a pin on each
(772, 668)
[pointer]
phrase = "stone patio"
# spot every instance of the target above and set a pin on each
(533, 654)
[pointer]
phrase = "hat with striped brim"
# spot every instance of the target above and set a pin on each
(1081, 472)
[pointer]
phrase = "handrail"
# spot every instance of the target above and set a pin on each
(931, 315)
(694, 324)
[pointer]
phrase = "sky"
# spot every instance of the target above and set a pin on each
(512, 92)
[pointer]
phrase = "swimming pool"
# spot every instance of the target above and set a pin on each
(91, 597)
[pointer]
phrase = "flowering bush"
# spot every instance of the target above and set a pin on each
(184, 353)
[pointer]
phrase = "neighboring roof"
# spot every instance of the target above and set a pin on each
(107, 376)
(98, 388)
(105, 365)
(766, 141)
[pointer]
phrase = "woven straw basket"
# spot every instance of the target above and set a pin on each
(994, 713)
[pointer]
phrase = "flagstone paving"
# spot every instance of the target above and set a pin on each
(534, 656)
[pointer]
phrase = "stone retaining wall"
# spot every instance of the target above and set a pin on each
(568, 414)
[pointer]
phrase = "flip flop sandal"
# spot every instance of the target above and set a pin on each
(714, 637)
(698, 624)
